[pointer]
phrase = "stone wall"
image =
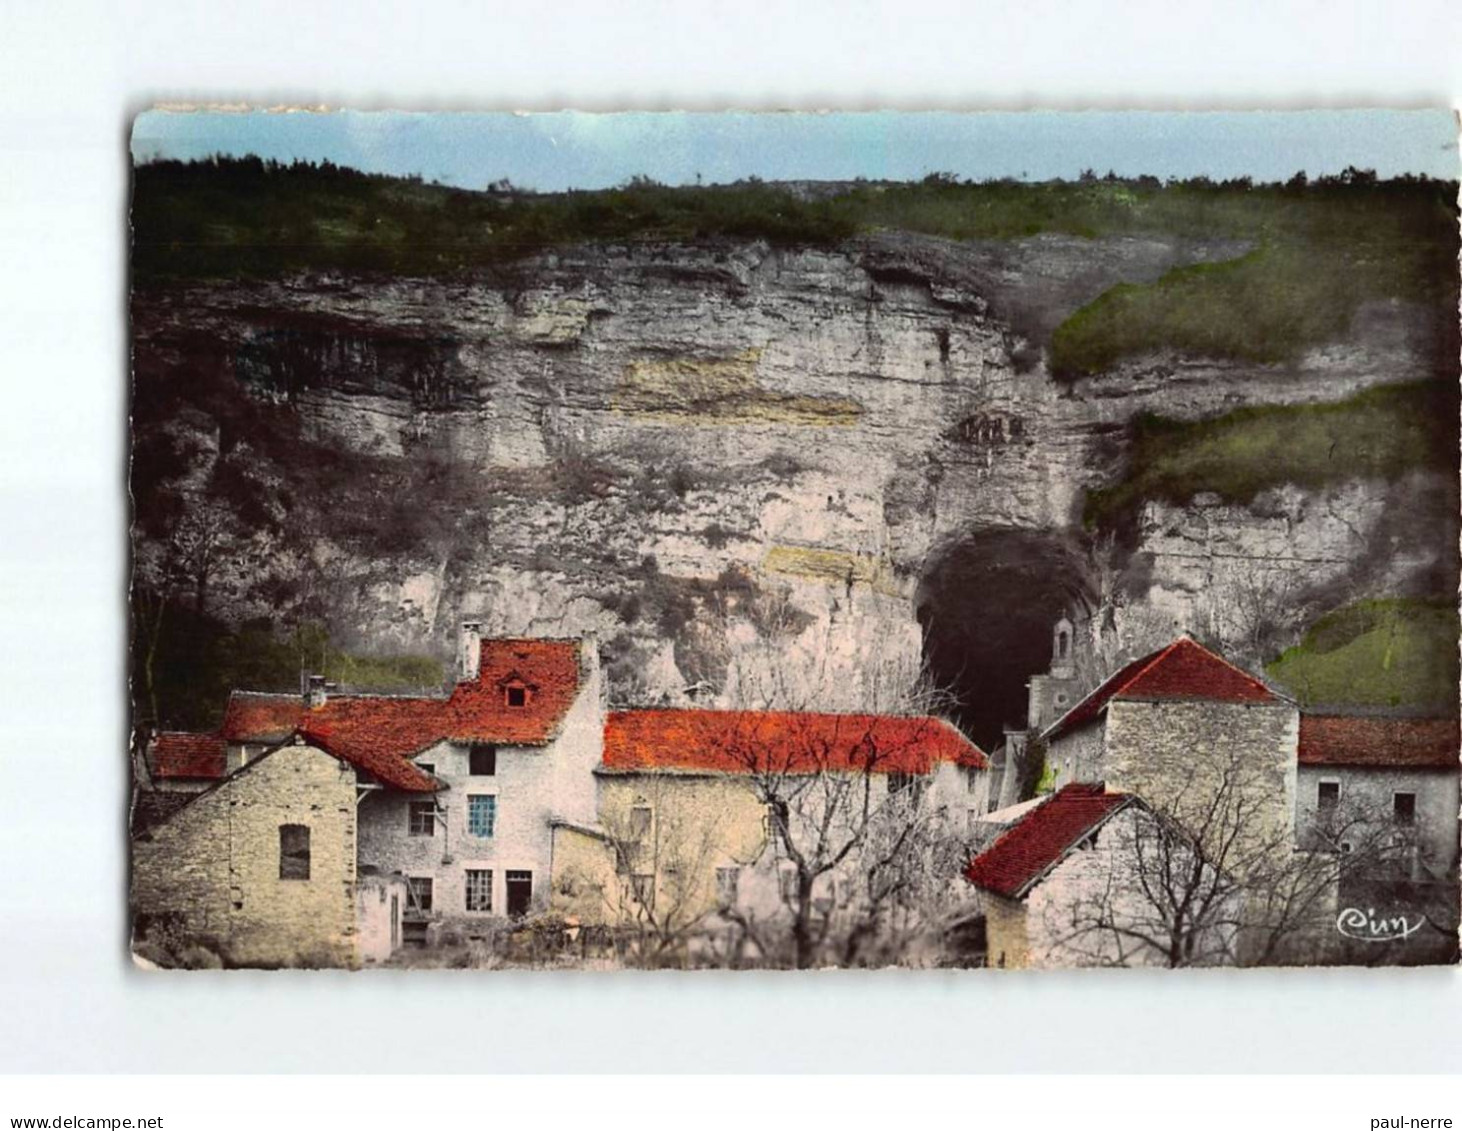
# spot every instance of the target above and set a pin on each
(1179, 755)
(697, 824)
(1005, 932)
(208, 878)
(1367, 794)
(379, 904)
(1078, 756)
(1092, 910)
(1051, 697)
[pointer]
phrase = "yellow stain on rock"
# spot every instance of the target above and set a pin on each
(835, 567)
(724, 390)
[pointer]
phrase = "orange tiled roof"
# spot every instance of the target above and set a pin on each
(782, 742)
(379, 733)
(1370, 740)
(478, 710)
(1029, 849)
(258, 716)
(181, 754)
(1183, 670)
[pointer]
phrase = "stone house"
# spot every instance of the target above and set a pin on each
(257, 870)
(1179, 727)
(1063, 886)
(511, 749)
(684, 843)
(452, 799)
(1363, 777)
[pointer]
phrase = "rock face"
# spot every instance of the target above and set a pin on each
(699, 451)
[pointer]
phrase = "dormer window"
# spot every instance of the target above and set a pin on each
(516, 690)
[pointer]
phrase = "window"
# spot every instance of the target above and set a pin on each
(1063, 643)
(517, 695)
(481, 813)
(1403, 808)
(520, 892)
(1327, 799)
(294, 852)
(727, 882)
(639, 822)
(482, 760)
(421, 818)
(479, 889)
(789, 885)
(418, 894)
(427, 767)
(643, 887)
(898, 782)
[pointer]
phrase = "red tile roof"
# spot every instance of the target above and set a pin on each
(1183, 670)
(782, 742)
(181, 754)
(1369, 740)
(379, 733)
(1025, 852)
(549, 669)
(258, 716)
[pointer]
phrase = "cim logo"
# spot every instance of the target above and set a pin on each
(1366, 926)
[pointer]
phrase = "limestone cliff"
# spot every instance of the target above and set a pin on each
(694, 449)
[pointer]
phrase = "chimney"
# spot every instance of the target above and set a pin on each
(469, 649)
(317, 691)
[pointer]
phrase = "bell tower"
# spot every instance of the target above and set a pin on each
(1063, 661)
(1055, 691)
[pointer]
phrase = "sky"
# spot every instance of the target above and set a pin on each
(562, 150)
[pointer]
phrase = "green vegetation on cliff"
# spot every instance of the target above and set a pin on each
(1260, 307)
(1381, 433)
(245, 216)
(196, 660)
(1297, 290)
(250, 218)
(1395, 652)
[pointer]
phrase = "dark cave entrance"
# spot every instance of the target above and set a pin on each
(988, 605)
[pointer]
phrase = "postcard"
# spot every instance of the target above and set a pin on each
(794, 541)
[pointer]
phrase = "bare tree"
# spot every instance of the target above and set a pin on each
(849, 825)
(662, 893)
(1208, 877)
(1265, 606)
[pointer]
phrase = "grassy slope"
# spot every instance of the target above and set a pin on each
(1388, 652)
(1381, 433)
(1319, 258)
